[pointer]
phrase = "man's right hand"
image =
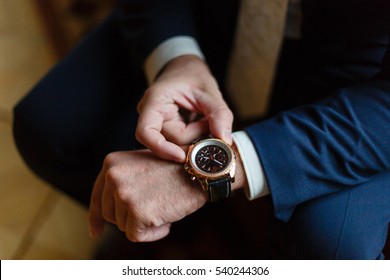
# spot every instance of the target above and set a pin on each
(183, 104)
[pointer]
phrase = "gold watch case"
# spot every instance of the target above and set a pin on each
(210, 159)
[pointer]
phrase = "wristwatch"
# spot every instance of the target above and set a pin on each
(213, 163)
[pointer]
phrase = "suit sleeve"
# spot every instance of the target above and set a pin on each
(340, 142)
(145, 24)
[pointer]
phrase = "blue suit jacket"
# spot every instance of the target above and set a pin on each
(323, 146)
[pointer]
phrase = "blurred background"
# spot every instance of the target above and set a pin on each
(36, 222)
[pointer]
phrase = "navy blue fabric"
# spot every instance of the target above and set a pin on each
(324, 147)
(326, 155)
(351, 224)
(340, 141)
(327, 146)
(145, 24)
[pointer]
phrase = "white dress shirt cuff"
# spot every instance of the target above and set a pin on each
(257, 182)
(168, 50)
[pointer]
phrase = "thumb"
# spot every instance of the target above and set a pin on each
(220, 123)
(220, 117)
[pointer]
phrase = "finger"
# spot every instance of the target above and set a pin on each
(138, 232)
(148, 133)
(146, 99)
(219, 115)
(108, 205)
(120, 216)
(95, 219)
(183, 134)
(156, 233)
(221, 122)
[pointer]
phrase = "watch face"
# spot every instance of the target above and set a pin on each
(211, 159)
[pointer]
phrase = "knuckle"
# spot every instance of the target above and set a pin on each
(113, 177)
(226, 113)
(127, 199)
(112, 174)
(136, 235)
(229, 114)
(110, 160)
(223, 112)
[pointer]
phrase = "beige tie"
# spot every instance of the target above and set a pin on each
(259, 34)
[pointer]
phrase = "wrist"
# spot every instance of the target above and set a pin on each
(184, 64)
(240, 178)
(168, 50)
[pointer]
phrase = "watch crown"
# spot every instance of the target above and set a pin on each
(193, 178)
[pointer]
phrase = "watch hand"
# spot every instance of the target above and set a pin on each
(220, 163)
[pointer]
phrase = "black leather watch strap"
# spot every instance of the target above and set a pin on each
(219, 190)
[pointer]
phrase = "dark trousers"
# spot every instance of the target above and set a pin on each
(85, 108)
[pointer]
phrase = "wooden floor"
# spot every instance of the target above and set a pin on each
(36, 222)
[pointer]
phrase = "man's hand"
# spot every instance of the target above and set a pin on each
(142, 195)
(183, 104)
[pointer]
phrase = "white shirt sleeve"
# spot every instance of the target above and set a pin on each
(257, 182)
(168, 50)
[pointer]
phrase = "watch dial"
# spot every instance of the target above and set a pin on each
(211, 159)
